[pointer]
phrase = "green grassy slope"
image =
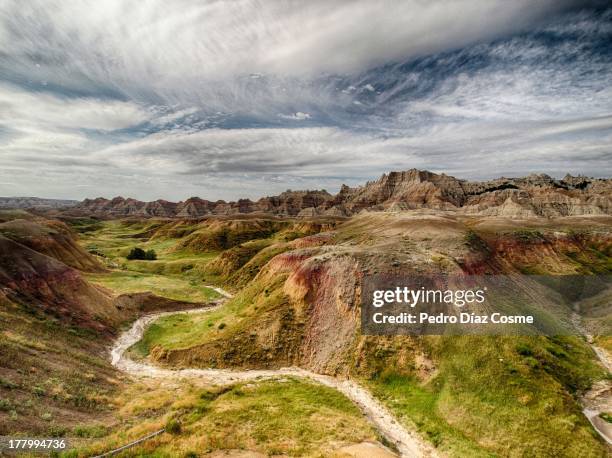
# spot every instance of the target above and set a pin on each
(56, 380)
(53, 377)
(172, 275)
(505, 396)
(286, 417)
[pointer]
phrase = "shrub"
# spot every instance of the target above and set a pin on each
(142, 255)
(38, 391)
(173, 426)
(557, 352)
(5, 405)
(474, 241)
(529, 236)
(532, 362)
(4, 383)
(524, 349)
(136, 253)
(472, 238)
(56, 431)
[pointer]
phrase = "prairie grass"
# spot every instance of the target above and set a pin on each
(52, 377)
(115, 239)
(283, 416)
(188, 330)
(496, 396)
(173, 275)
(181, 289)
(490, 396)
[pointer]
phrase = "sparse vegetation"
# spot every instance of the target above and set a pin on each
(4, 383)
(472, 238)
(285, 416)
(5, 405)
(529, 236)
(606, 416)
(524, 349)
(53, 374)
(90, 431)
(173, 426)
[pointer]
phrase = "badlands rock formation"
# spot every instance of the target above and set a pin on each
(534, 195)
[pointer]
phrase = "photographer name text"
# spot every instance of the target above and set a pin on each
(422, 297)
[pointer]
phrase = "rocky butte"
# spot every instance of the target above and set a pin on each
(531, 196)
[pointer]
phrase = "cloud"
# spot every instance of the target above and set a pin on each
(174, 49)
(225, 99)
(21, 109)
(299, 116)
(229, 164)
(326, 151)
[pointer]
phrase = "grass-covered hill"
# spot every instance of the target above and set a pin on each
(57, 323)
(297, 293)
(55, 329)
(297, 303)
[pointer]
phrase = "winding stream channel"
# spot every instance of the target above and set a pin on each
(596, 400)
(407, 442)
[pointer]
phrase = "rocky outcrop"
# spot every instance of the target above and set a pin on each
(128, 207)
(531, 196)
(194, 207)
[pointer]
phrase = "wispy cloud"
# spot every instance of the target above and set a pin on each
(225, 99)
(23, 109)
(189, 40)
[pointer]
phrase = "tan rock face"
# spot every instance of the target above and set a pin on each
(531, 196)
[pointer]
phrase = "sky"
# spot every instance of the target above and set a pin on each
(229, 99)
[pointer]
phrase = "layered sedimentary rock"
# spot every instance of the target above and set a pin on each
(531, 196)
(50, 286)
(50, 238)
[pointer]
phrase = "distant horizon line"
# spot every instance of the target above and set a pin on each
(71, 199)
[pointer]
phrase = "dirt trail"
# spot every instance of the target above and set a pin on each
(599, 398)
(408, 443)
